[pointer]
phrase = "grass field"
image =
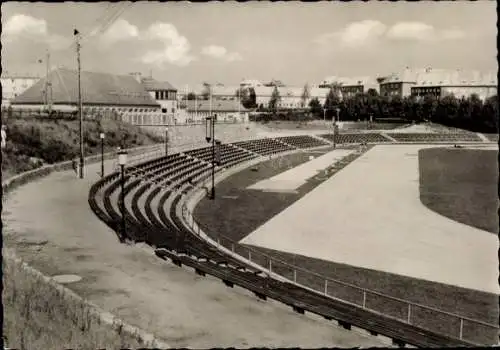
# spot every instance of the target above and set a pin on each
(244, 210)
(461, 184)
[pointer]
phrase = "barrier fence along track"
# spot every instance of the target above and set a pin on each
(327, 286)
(414, 314)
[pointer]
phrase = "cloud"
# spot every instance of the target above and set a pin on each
(411, 31)
(420, 31)
(355, 34)
(119, 31)
(21, 26)
(175, 50)
(220, 52)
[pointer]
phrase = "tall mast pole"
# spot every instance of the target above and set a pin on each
(48, 84)
(80, 103)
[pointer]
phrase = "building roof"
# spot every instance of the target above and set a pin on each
(318, 92)
(224, 90)
(349, 81)
(441, 77)
(151, 84)
(97, 88)
(264, 90)
(217, 106)
(251, 82)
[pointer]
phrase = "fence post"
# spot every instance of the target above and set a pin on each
(250, 255)
(326, 287)
(409, 313)
(364, 299)
(461, 328)
(295, 275)
(232, 247)
(270, 267)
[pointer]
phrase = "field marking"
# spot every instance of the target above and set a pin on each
(370, 215)
(293, 178)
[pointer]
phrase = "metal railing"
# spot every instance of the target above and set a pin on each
(426, 317)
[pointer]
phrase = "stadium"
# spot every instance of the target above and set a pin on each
(358, 227)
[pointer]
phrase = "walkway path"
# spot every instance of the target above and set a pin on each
(296, 177)
(370, 215)
(50, 225)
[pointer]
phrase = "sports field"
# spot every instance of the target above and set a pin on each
(461, 184)
(373, 240)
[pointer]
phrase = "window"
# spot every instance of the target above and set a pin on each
(173, 110)
(164, 110)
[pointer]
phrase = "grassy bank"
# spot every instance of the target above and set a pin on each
(38, 314)
(32, 142)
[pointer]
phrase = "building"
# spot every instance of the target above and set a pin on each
(250, 83)
(350, 86)
(163, 93)
(103, 95)
(398, 84)
(14, 85)
(440, 83)
(226, 110)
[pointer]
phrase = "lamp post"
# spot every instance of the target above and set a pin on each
(122, 160)
(166, 141)
(101, 135)
(338, 115)
(210, 136)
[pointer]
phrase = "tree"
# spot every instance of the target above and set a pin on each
(372, 92)
(274, 100)
(305, 95)
(191, 96)
(247, 97)
(332, 102)
(315, 107)
(207, 90)
(429, 104)
(490, 115)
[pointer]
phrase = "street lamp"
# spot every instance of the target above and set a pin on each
(210, 136)
(122, 160)
(338, 116)
(166, 141)
(101, 135)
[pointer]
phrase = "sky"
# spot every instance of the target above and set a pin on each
(297, 43)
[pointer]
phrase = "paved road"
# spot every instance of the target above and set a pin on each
(50, 225)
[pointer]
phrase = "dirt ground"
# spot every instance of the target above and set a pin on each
(51, 227)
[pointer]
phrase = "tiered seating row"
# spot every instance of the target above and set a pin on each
(228, 155)
(159, 225)
(356, 138)
(264, 146)
(428, 137)
(302, 141)
(492, 137)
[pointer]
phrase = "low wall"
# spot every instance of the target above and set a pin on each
(41, 314)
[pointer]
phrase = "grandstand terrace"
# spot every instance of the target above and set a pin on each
(156, 213)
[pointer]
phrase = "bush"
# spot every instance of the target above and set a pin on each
(35, 141)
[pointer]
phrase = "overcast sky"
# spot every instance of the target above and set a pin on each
(224, 42)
